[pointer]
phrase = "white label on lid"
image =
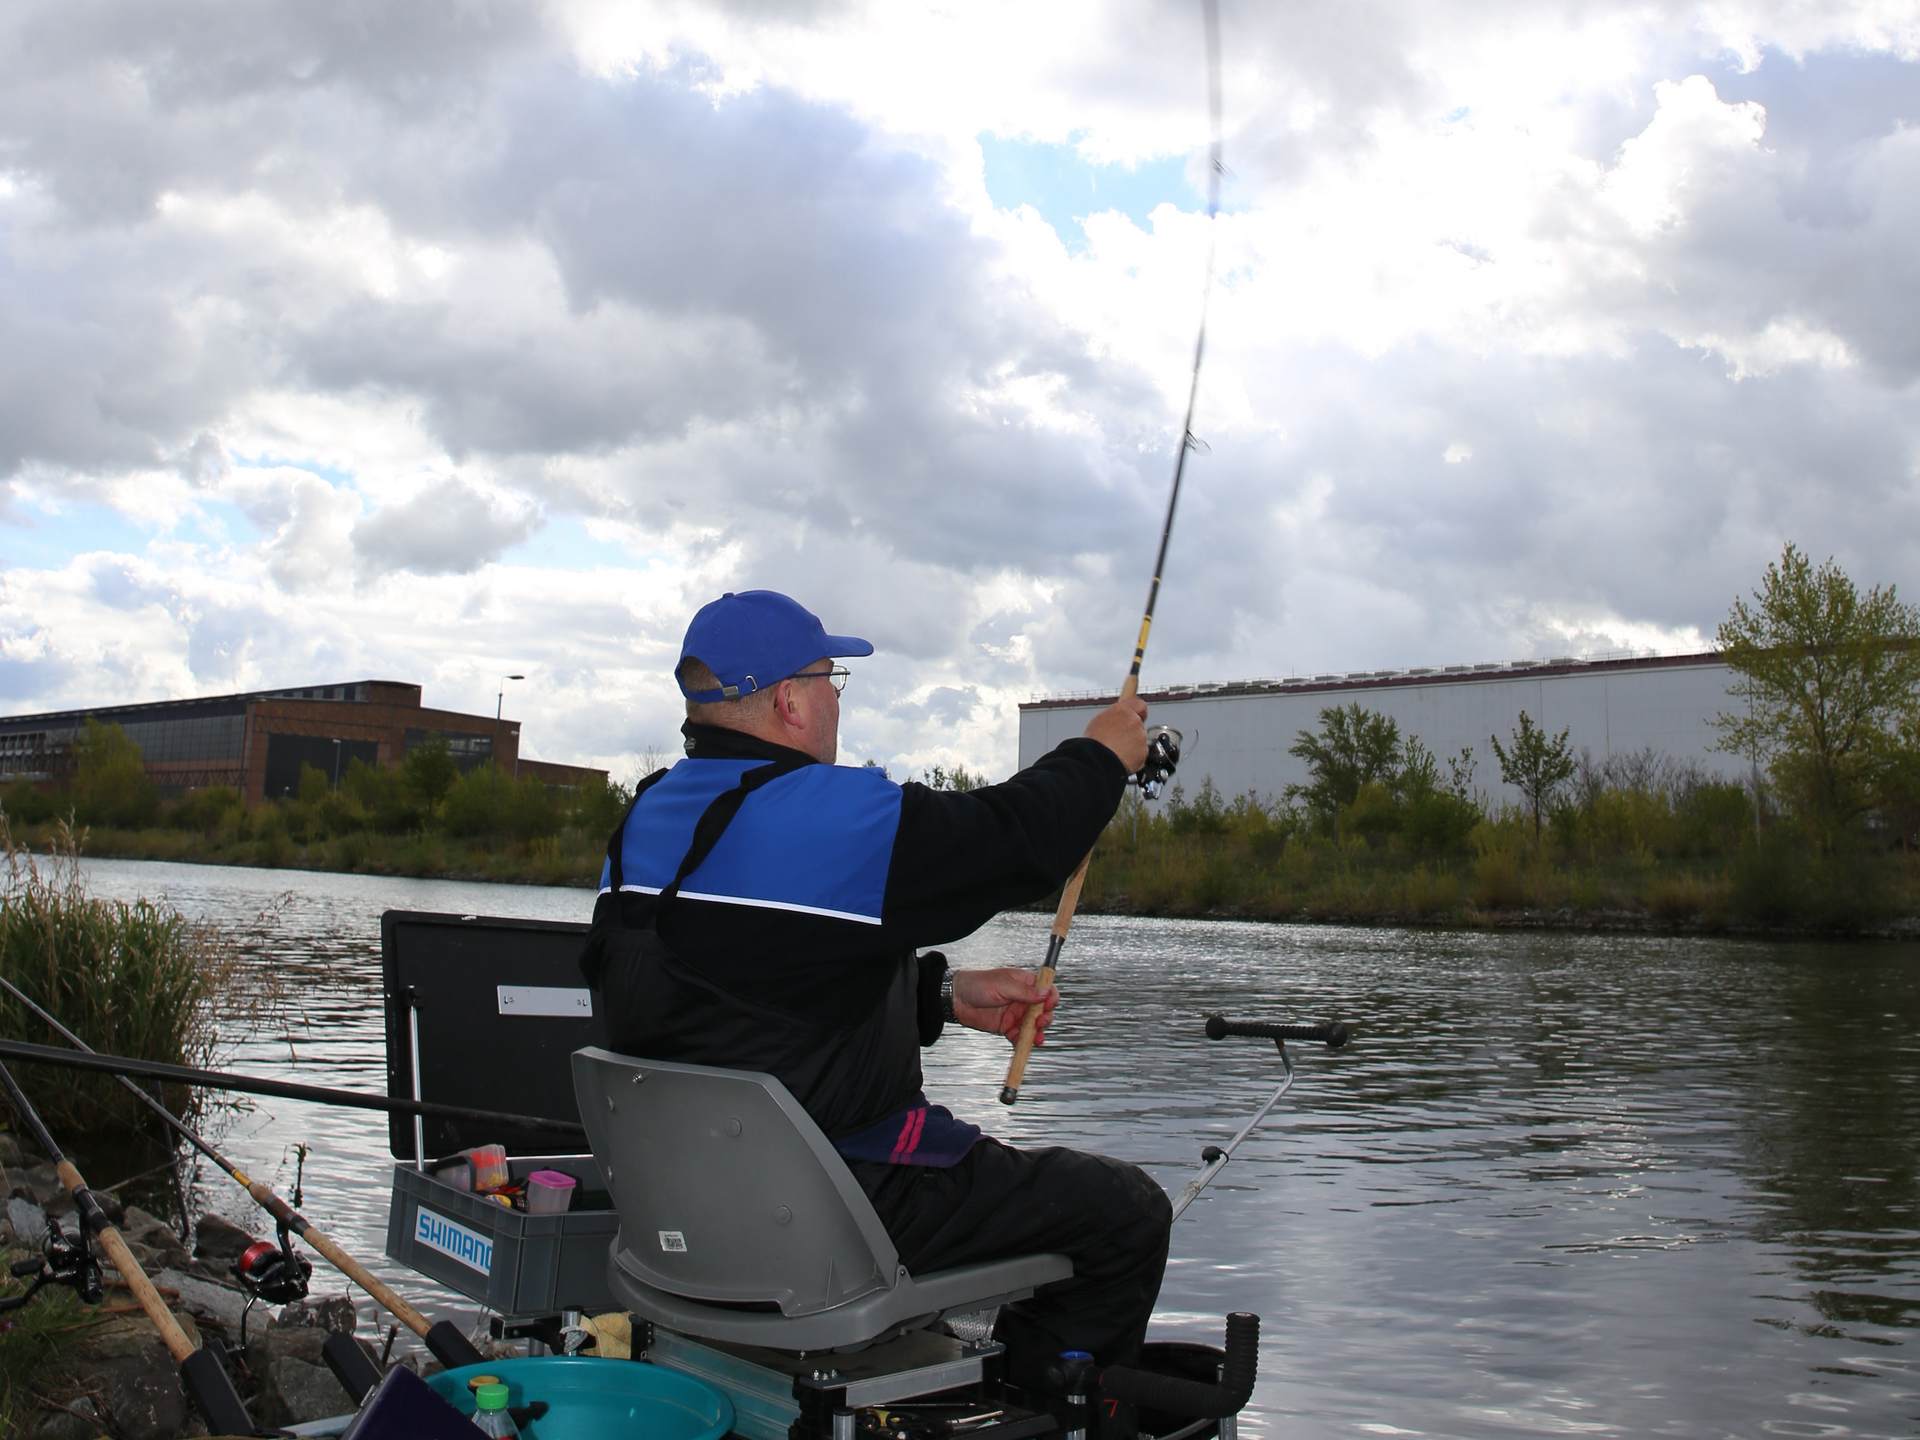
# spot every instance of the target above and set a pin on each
(562, 1000)
(673, 1241)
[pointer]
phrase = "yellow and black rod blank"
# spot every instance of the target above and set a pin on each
(1070, 896)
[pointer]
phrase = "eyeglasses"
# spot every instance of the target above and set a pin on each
(836, 677)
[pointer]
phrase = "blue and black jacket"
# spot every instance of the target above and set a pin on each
(804, 891)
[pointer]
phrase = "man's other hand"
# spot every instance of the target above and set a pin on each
(1122, 728)
(996, 1001)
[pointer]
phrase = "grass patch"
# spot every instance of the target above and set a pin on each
(32, 1339)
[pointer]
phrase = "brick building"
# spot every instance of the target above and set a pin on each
(258, 742)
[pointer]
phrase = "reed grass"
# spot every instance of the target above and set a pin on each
(130, 978)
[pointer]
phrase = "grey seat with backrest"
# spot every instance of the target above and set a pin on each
(739, 1221)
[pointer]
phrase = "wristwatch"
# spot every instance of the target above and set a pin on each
(946, 998)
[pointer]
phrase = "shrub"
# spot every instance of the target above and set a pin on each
(1498, 881)
(1713, 817)
(1373, 815)
(25, 803)
(1680, 898)
(134, 979)
(477, 804)
(1438, 823)
(207, 810)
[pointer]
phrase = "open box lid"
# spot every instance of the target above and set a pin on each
(501, 1007)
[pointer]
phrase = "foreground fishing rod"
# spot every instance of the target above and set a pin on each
(442, 1338)
(285, 1089)
(1165, 749)
(207, 1383)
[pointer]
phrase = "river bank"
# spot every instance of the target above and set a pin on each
(69, 1370)
(1759, 891)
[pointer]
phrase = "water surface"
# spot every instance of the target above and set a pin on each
(1561, 1184)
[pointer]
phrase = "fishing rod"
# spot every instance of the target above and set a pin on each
(285, 1089)
(207, 1383)
(442, 1338)
(1167, 750)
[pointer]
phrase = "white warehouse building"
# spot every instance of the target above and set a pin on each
(1238, 734)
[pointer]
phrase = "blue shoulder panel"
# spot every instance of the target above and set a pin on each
(818, 840)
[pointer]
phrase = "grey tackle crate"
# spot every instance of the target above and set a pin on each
(508, 1260)
(486, 1012)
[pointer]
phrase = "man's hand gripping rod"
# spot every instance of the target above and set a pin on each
(1070, 896)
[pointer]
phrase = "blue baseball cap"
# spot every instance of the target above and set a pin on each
(757, 638)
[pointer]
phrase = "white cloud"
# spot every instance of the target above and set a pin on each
(1536, 327)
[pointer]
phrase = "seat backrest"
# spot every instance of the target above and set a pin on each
(727, 1191)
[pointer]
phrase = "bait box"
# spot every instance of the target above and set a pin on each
(487, 1012)
(511, 1261)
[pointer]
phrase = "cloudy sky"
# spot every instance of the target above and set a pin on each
(437, 342)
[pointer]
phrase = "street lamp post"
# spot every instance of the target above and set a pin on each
(499, 702)
(336, 764)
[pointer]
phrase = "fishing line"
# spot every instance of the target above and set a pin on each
(1189, 442)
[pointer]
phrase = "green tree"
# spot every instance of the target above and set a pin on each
(1354, 747)
(1829, 676)
(429, 772)
(313, 786)
(958, 778)
(598, 808)
(110, 784)
(383, 796)
(1536, 765)
(1897, 785)
(478, 803)
(1436, 815)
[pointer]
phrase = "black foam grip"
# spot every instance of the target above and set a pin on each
(1194, 1398)
(449, 1346)
(351, 1366)
(1332, 1033)
(211, 1390)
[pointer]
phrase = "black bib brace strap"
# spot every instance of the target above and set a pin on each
(712, 824)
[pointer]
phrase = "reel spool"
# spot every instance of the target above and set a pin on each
(273, 1273)
(61, 1262)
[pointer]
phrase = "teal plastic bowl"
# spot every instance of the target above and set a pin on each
(590, 1399)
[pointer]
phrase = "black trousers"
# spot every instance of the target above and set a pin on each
(1108, 1217)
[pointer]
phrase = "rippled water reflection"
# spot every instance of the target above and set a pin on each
(1590, 1185)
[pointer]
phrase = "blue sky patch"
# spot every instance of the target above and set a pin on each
(36, 540)
(1064, 188)
(562, 543)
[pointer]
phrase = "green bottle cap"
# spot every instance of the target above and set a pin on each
(491, 1397)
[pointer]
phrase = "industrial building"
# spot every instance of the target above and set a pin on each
(1238, 734)
(258, 742)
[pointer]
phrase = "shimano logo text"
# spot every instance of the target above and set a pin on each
(456, 1242)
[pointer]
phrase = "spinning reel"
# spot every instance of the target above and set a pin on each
(62, 1262)
(1163, 756)
(273, 1273)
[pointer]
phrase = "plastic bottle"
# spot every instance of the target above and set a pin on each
(492, 1417)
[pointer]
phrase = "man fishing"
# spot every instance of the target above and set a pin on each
(762, 909)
